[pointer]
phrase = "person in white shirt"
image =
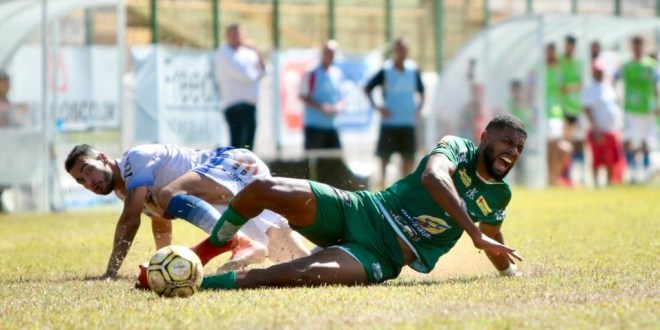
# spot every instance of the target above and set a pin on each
(605, 117)
(149, 177)
(238, 70)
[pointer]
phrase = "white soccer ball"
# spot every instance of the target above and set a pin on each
(175, 271)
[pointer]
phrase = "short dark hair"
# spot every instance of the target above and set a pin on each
(507, 120)
(570, 39)
(81, 150)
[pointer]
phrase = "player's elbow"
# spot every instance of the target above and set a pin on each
(431, 178)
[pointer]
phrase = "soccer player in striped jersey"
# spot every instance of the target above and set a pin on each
(148, 177)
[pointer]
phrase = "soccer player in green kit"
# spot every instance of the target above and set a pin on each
(370, 237)
(640, 102)
(570, 87)
(559, 149)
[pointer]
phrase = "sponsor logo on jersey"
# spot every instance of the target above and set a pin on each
(234, 176)
(344, 196)
(378, 271)
(405, 227)
(465, 178)
(432, 225)
(483, 205)
(415, 225)
(442, 144)
(472, 193)
(462, 157)
(128, 169)
(500, 214)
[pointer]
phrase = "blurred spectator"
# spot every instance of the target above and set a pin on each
(238, 69)
(640, 110)
(605, 119)
(594, 50)
(321, 95)
(473, 117)
(519, 104)
(559, 149)
(11, 114)
(403, 95)
(570, 86)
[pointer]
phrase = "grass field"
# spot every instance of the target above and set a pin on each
(591, 262)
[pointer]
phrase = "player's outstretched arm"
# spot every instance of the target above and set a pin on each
(502, 263)
(127, 227)
(437, 180)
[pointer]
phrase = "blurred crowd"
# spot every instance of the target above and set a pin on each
(239, 66)
(601, 117)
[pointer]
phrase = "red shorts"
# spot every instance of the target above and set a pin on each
(608, 151)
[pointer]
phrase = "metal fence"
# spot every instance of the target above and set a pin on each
(358, 25)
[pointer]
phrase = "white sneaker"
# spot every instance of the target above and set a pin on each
(246, 253)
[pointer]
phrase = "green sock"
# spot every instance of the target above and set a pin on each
(230, 222)
(225, 281)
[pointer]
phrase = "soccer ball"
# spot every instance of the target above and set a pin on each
(175, 271)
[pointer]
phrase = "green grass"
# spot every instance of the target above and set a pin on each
(591, 262)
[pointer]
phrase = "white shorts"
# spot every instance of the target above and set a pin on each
(233, 168)
(580, 128)
(640, 128)
(555, 128)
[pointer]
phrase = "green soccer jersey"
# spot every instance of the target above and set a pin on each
(426, 227)
(523, 112)
(639, 86)
(570, 77)
(552, 106)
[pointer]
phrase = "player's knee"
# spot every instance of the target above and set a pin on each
(260, 187)
(165, 195)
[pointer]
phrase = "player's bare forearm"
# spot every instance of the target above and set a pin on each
(437, 180)
(124, 234)
(127, 227)
(500, 262)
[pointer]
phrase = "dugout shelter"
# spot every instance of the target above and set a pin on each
(65, 79)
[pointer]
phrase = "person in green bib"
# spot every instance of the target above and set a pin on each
(559, 149)
(570, 87)
(519, 105)
(640, 103)
(368, 237)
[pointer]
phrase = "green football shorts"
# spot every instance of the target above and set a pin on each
(351, 221)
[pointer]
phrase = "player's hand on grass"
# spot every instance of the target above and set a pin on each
(495, 248)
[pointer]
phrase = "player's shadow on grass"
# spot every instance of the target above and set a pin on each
(72, 278)
(421, 282)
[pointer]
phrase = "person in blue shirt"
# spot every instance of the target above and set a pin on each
(321, 94)
(403, 97)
